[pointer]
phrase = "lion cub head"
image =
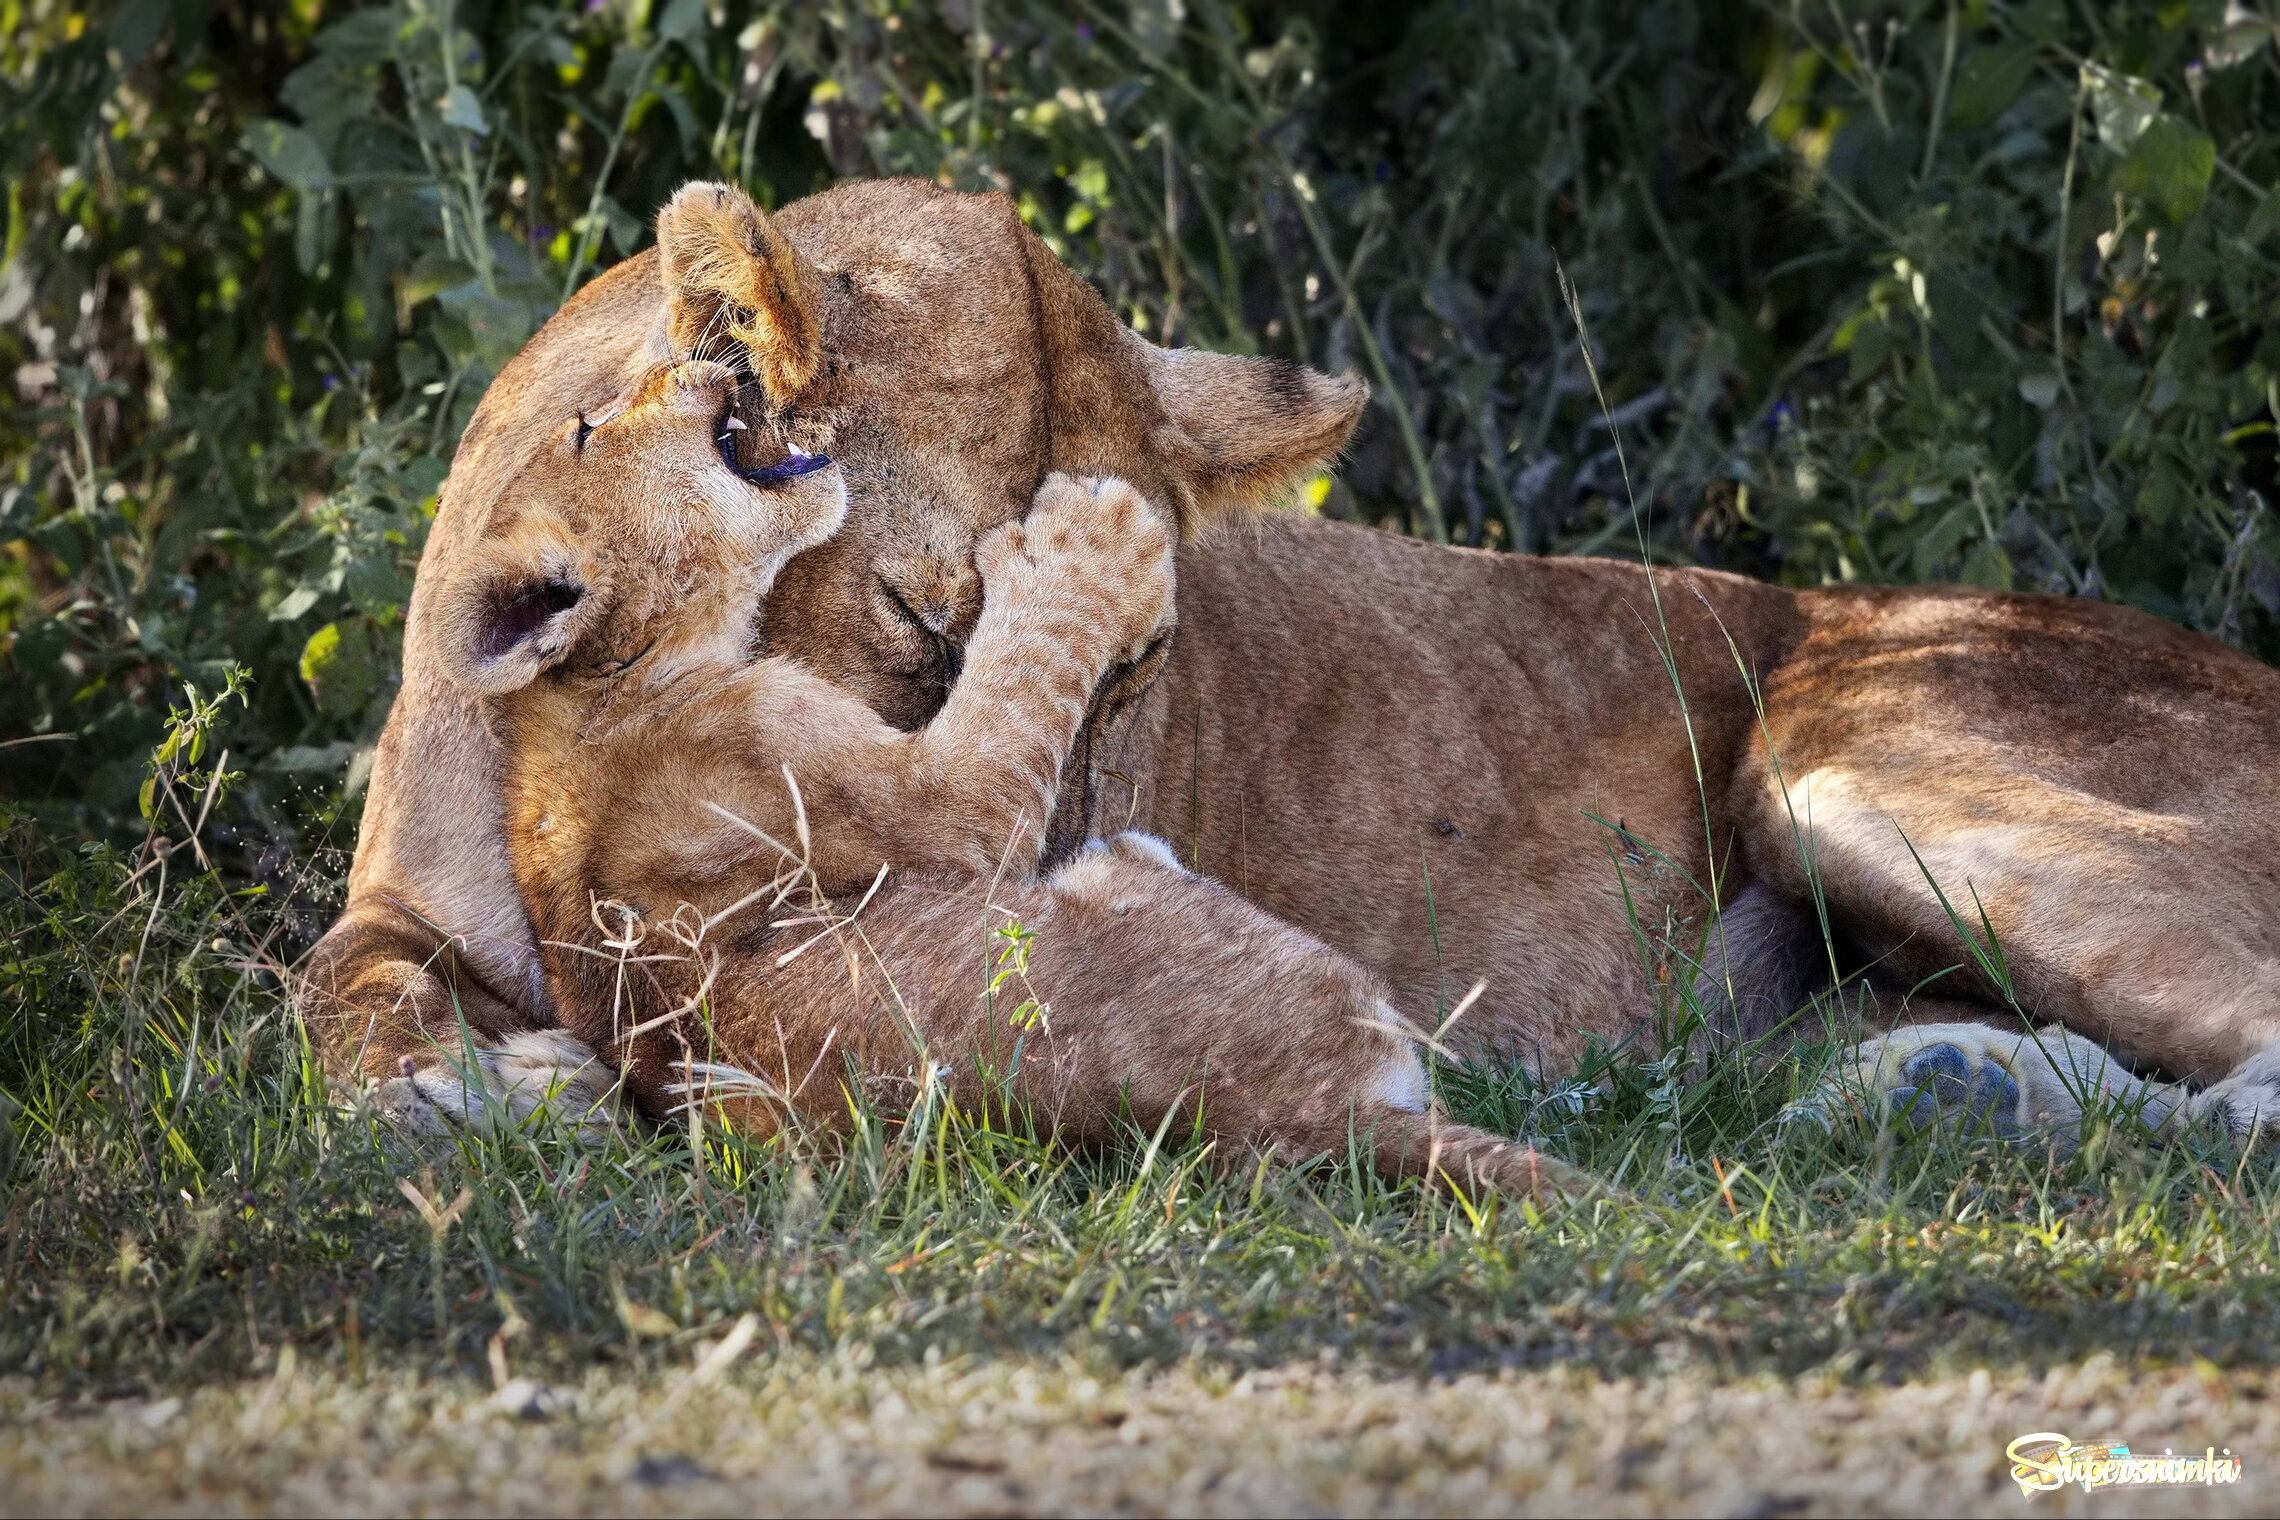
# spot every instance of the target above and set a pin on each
(635, 542)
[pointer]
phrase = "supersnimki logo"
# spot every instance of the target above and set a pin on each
(2047, 1460)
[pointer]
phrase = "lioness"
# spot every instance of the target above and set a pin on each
(607, 616)
(1455, 766)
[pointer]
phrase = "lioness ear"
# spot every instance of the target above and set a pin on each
(510, 615)
(1251, 429)
(729, 276)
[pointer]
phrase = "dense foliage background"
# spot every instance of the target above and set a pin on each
(1881, 292)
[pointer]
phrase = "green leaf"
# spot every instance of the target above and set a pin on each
(297, 601)
(135, 29)
(1940, 540)
(364, 37)
(2265, 219)
(319, 652)
(496, 325)
(2043, 20)
(374, 588)
(624, 227)
(1989, 80)
(432, 275)
(2170, 167)
(683, 20)
(309, 233)
(2122, 105)
(340, 666)
(1871, 345)
(1988, 566)
(290, 154)
(461, 109)
(2243, 37)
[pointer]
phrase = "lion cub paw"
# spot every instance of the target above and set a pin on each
(1095, 547)
(1973, 1079)
(534, 1070)
(1142, 849)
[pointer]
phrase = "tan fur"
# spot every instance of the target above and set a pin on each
(607, 613)
(741, 285)
(1344, 713)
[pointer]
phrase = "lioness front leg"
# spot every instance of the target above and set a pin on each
(527, 1072)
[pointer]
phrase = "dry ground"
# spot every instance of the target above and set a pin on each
(821, 1436)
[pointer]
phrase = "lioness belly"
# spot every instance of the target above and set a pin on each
(1458, 767)
(1469, 768)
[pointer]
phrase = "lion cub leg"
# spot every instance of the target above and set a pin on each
(1146, 996)
(1167, 997)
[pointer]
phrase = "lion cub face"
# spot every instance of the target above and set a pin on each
(633, 544)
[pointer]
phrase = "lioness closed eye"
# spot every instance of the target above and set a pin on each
(672, 797)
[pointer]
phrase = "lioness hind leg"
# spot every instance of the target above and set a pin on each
(2082, 793)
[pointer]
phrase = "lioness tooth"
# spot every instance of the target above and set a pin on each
(735, 424)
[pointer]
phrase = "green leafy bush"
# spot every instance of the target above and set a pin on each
(1882, 292)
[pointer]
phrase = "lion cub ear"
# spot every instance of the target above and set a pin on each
(513, 611)
(1249, 430)
(730, 276)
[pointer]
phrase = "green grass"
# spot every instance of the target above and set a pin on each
(187, 1210)
(199, 1234)
(265, 1298)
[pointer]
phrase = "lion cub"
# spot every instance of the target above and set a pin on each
(692, 822)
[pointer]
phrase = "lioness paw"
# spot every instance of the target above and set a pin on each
(1944, 1086)
(1972, 1079)
(2248, 1101)
(534, 1070)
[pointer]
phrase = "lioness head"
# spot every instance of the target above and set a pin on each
(934, 347)
(634, 537)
